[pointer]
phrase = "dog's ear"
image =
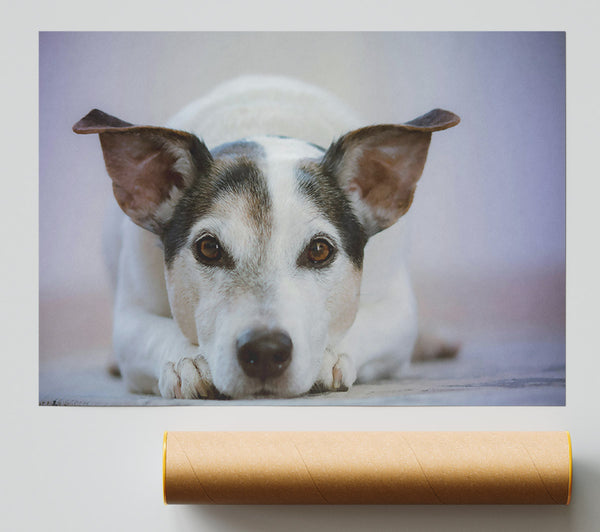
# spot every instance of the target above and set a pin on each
(379, 166)
(149, 166)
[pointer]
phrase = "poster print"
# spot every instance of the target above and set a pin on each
(310, 218)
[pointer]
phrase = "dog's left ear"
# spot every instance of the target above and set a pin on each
(379, 166)
(149, 166)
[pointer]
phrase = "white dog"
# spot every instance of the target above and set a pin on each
(241, 274)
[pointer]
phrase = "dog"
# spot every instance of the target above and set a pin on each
(267, 258)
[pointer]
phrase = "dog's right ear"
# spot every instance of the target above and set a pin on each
(149, 166)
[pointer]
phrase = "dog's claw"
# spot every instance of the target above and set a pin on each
(337, 377)
(188, 379)
(337, 373)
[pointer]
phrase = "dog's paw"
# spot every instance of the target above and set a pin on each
(187, 379)
(337, 374)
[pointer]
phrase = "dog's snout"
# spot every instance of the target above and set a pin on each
(264, 353)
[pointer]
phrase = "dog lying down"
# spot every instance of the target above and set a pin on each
(258, 262)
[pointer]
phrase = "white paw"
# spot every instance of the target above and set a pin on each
(189, 378)
(337, 374)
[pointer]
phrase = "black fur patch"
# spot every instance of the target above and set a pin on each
(233, 171)
(240, 148)
(324, 191)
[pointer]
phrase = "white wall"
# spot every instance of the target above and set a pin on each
(98, 469)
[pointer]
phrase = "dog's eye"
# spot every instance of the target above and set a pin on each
(208, 250)
(318, 253)
(319, 250)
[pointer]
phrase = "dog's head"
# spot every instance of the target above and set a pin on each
(263, 238)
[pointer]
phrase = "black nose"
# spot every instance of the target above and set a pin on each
(264, 353)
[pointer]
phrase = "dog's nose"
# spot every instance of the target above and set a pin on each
(264, 353)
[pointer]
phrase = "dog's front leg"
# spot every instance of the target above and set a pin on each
(155, 357)
(153, 354)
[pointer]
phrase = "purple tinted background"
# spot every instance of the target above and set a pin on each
(489, 216)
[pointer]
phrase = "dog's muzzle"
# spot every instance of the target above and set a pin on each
(264, 353)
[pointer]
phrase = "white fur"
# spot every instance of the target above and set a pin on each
(182, 357)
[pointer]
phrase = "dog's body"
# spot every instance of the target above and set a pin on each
(246, 272)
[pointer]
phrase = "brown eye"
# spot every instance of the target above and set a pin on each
(319, 251)
(208, 250)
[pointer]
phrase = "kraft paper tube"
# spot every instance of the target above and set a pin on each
(367, 467)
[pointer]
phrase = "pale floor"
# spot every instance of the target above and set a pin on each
(513, 352)
(509, 374)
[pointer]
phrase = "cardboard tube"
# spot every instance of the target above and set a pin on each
(367, 468)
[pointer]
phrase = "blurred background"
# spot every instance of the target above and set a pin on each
(488, 221)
